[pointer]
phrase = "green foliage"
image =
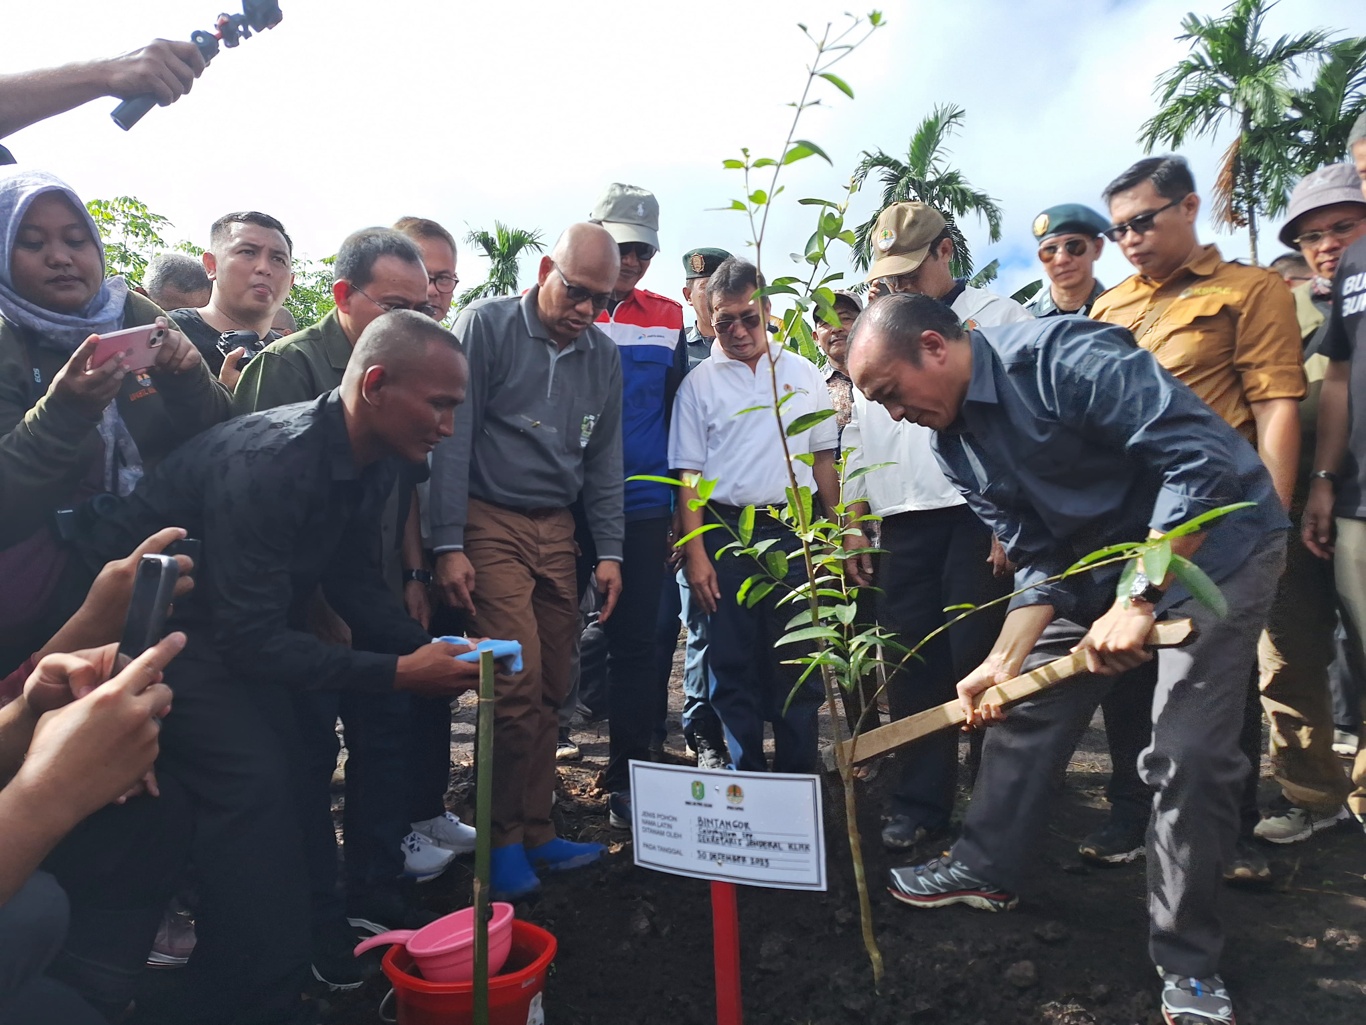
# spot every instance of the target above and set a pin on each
(1322, 114)
(1027, 292)
(1236, 76)
(311, 297)
(503, 249)
(986, 275)
(924, 175)
(131, 234)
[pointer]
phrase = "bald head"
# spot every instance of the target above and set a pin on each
(909, 353)
(403, 381)
(892, 327)
(575, 281)
(586, 251)
(401, 343)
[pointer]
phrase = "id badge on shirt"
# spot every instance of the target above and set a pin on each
(586, 429)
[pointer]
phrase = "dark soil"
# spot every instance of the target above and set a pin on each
(635, 945)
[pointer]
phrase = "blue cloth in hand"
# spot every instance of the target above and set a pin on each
(502, 650)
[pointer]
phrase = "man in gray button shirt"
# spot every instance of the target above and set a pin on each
(541, 424)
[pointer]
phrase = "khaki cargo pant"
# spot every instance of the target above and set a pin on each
(1294, 654)
(524, 590)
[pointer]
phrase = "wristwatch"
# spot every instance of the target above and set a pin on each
(1144, 590)
(422, 576)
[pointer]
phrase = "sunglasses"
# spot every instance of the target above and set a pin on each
(1074, 247)
(578, 294)
(643, 251)
(726, 325)
(1339, 231)
(1140, 225)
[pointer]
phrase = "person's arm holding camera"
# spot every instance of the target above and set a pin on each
(163, 68)
(94, 734)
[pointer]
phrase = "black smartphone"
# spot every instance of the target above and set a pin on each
(153, 588)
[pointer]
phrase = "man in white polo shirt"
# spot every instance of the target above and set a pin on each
(936, 551)
(711, 435)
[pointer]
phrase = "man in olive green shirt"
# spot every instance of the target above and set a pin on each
(377, 270)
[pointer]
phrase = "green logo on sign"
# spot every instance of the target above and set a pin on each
(699, 791)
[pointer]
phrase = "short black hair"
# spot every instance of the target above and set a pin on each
(733, 277)
(219, 228)
(1286, 261)
(180, 272)
(357, 256)
(1171, 177)
(901, 318)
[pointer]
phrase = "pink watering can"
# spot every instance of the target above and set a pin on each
(444, 950)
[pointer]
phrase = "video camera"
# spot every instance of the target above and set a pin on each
(257, 15)
(229, 341)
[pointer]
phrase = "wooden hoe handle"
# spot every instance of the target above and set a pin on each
(1168, 634)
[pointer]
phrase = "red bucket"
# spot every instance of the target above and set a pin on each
(514, 995)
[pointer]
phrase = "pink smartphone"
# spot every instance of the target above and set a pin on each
(140, 343)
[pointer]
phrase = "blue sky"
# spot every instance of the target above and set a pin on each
(355, 113)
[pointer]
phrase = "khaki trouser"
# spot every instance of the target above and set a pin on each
(524, 591)
(1349, 568)
(1294, 654)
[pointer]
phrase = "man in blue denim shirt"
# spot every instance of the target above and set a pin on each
(1065, 437)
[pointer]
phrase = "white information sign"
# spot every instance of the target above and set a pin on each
(759, 828)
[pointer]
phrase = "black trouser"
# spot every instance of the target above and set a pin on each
(233, 746)
(633, 694)
(32, 926)
(119, 869)
(376, 817)
(429, 753)
(1128, 711)
(934, 559)
(1129, 730)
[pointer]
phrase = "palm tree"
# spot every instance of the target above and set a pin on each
(1235, 75)
(1323, 113)
(925, 176)
(504, 250)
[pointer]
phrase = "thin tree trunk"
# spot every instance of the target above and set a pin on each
(1252, 231)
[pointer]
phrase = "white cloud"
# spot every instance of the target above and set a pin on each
(353, 113)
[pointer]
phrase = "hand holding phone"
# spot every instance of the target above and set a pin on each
(137, 344)
(153, 589)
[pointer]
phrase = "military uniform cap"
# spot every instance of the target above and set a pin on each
(1069, 219)
(701, 263)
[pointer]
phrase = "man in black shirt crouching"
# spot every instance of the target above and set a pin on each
(285, 500)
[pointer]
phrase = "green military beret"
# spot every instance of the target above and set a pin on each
(700, 263)
(1069, 219)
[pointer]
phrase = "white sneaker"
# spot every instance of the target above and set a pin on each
(1345, 744)
(423, 860)
(1289, 823)
(447, 831)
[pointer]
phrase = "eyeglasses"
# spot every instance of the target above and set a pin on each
(426, 309)
(1140, 225)
(1341, 230)
(444, 283)
(644, 252)
(578, 294)
(1074, 247)
(726, 325)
